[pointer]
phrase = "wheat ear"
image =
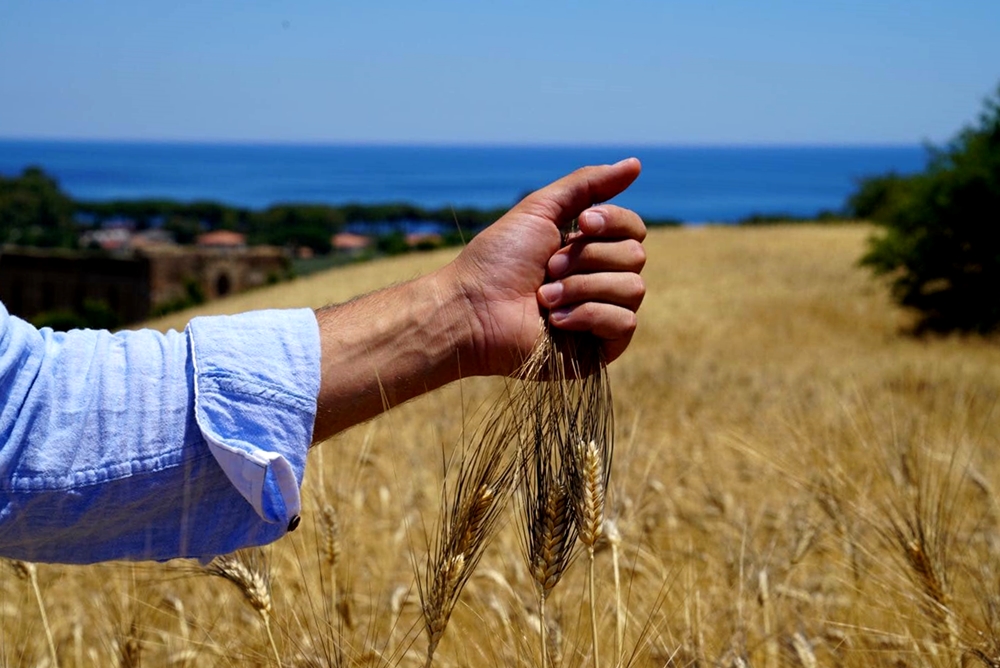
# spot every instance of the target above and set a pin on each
(588, 445)
(470, 514)
(250, 572)
(921, 524)
(332, 551)
(547, 528)
(568, 424)
(591, 514)
(804, 651)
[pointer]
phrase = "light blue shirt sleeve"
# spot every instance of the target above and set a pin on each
(144, 445)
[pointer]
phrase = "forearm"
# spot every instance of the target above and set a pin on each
(382, 349)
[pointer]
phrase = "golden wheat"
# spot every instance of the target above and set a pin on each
(767, 376)
(249, 570)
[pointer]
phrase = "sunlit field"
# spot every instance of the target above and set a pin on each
(797, 482)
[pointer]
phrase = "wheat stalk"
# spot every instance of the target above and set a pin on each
(25, 570)
(771, 647)
(183, 629)
(614, 538)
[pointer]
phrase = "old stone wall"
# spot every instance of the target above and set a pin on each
(33, 281)
(219, 271)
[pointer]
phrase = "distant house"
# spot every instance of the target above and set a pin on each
(423, 240)
(151, 237)
(114, 239)
(348, 242)
(109, 239)
(221, 239)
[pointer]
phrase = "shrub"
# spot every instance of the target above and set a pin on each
(941, 230)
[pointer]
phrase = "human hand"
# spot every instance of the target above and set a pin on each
(482, 313)
(517, 271)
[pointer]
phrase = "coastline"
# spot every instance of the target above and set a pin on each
(687, 183)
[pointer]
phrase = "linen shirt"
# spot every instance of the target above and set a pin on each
(144, 445)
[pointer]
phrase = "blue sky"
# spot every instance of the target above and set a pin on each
(626, 72)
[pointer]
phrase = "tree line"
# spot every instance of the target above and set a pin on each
(34, 211)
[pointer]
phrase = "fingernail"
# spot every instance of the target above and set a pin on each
(594, 219)
(558, 265)
(551, 292)
(621, 163)
(559, 314)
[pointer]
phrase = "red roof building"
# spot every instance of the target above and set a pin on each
(346, 241)
(222, 239)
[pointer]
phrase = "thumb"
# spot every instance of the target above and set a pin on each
(567, 198)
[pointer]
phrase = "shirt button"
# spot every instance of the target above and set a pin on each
(293, 524)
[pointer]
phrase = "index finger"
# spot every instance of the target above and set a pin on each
(612, 222)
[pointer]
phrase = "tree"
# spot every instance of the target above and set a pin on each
(34, 212)
(309, 225)
(941, 229)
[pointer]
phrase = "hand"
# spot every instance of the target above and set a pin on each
(517, 270)
(481, 314)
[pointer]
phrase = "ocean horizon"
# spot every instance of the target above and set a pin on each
(692, 183)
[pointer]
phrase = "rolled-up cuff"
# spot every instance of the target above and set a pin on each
(256, 381)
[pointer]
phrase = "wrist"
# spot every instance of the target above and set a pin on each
(382, 349)
(456, 304)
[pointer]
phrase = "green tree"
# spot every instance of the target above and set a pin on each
(184, 229)
(309, 225)
(34, 212)
(393, 243)
(940, 238)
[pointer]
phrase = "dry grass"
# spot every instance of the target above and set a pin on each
(795, 483)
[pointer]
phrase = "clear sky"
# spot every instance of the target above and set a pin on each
(611, 72)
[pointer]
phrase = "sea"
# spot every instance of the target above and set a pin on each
(692, 184)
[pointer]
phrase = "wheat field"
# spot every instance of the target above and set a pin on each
(797, 482)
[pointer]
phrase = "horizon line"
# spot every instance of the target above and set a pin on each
(318, 143)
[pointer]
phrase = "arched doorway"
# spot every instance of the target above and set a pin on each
(222, 285)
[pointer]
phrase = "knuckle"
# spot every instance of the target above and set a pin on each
(638, 254)
(641, 228)
(630, 322)
(638, 287)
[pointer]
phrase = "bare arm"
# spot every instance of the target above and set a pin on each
(481, 313)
